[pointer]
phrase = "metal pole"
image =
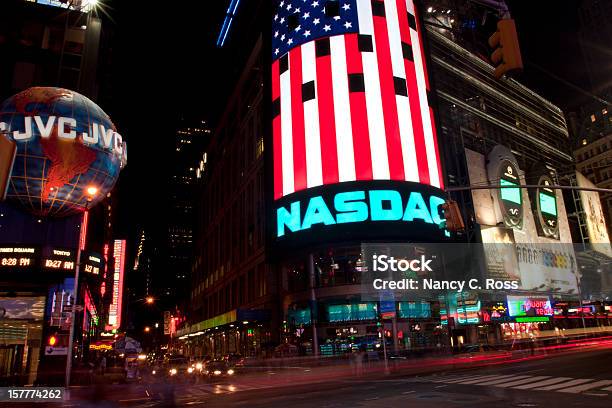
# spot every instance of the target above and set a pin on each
(74, 305)
(313, 300)
(553, 187)
(580, 303)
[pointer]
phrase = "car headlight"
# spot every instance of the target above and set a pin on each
(199, 366)
(190, 370)
(217, 372)
(230, 371)
(173, 371)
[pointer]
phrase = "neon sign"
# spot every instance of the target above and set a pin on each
(114, 313)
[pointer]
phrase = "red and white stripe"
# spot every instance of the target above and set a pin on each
(346, 136)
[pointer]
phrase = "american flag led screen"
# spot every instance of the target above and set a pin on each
(350, 95)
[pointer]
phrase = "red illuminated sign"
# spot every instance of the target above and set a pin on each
(114, 314)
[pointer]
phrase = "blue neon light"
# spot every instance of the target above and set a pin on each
(357, 206)
(227, 22)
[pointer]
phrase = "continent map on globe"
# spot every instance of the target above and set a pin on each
(65, 144)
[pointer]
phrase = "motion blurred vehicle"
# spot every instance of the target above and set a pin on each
(219, 369)
(176, 367)
(477, 348)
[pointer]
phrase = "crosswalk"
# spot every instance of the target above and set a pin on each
(566, 385)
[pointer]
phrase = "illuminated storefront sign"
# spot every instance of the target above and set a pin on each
(114, 313)
(529, 306)
(18, 257)
(350, 105)
(60, 259)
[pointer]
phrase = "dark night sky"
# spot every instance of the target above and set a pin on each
(165, 63)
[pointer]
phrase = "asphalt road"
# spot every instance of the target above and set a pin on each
(568, 380)
(582, 378)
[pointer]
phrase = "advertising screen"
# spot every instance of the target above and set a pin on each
(529, 306)
(349, 103)
(510, 194)
(594, 217)
(548, 204)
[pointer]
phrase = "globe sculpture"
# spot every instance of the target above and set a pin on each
(66, 144)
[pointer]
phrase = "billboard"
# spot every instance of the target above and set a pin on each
(114, 312)
(350, 100)
(594, 216)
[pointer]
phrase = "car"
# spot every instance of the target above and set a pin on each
(176, 367)
(219, 369)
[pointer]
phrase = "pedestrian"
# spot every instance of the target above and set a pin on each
(103, 365)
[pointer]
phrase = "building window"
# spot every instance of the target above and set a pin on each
(593, 118)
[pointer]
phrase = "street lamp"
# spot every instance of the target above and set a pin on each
(91, 192)
(150, 300)
(147, 329)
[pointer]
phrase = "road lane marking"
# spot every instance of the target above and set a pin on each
(479, 380)
(523, 381)
(550, 381)
(580, 388)
(470, 377)
(607, 389)
(506, 378)
(408, 392)
(563, 385)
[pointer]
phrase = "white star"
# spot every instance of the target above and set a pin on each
(275, 34)
(297, 10)
(306, 15)
(336, 18)
(346, 7)
(276, 51)
(298, 28)
(282, 3)
(289, 6)
(306, 33)
(275, 17)
(316, 21)
(348, 25)
(327, 27)
(290, 41)
(283, 37)
(282, 20)
(315, 4)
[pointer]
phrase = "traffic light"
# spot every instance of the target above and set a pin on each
(506, 56)
(452, 215)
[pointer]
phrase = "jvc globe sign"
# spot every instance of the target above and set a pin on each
(65, 144)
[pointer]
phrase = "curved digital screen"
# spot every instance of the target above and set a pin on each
(350, 103)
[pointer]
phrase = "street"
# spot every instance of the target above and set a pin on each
(577, 379)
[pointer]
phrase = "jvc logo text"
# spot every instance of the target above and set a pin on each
(383, 263)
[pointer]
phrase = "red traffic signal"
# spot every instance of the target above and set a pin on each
(452, 215)
(506, 56)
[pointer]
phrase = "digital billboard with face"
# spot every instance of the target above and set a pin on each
(350, 103)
